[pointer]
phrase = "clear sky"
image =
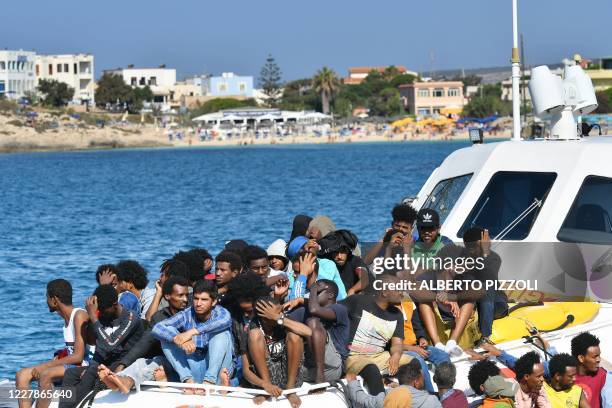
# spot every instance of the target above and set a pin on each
(197, 36)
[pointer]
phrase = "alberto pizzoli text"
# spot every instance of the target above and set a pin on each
(457, 285)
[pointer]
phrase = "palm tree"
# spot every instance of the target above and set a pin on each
(326, 83)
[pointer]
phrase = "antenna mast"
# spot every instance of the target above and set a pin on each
(516, 77)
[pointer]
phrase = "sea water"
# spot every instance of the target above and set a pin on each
(63, 214)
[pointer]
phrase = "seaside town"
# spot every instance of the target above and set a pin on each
(63, 102)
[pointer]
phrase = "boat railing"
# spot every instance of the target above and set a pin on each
(304, 389)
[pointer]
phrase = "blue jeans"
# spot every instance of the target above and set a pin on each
(436, 356)
(206, 363)
(490, 307)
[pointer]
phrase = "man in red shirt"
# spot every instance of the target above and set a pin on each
(590, 376)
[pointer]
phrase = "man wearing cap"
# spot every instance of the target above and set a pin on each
(499, 393)
(429, 240)
(307, 269)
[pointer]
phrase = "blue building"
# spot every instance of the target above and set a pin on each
(229, 84)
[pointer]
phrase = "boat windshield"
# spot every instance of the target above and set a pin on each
(588, 220)
(445, 194)
(504, 200)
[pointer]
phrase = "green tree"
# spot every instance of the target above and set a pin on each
(326, 83)
(604, 101)
(300, 95)
(138, 97)
(270, 80)
(387, 103)
(111, 90)
(55, 93)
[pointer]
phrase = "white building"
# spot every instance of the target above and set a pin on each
(17, 73)
(160, 80)
(76, 70)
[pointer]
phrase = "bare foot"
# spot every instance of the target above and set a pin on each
(491, 349)
(294, 400)
(189, 391)
(475, 356)
(104, 373)
(224, 379)
(258, 400)
(124, 383)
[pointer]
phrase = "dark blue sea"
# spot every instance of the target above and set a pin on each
(63, 214)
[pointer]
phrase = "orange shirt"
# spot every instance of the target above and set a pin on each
(409, 336)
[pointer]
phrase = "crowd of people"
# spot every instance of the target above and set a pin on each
(312, 309)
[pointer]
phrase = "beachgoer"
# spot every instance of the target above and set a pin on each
(330, 327)
(59, 300)
(146, 358)
(445, 376)
(529, 372)
(198, 341)
(590, 376)
(560, 388)
(276, 349)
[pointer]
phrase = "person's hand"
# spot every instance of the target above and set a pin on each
(91, 304)
(307, 264)
(312, 246)
(454, 307)
(422, 342)
(292, 304)
(35, 373)
(442, 297)
(189, 347)
(408, 240)
(485, 242)
(419, 350)
(182, 338)
(397, 239)
(208, 264)
(158, 286)
(350, 377)
(272, 389)
(107, 277)
(394, 363)
(382, 239)
(350, 292)
(281, 288)
(268, 310)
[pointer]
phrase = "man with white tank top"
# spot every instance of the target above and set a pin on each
(77, 352)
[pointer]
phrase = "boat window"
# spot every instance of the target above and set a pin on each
(588, 219)
(445, 194)
(510, 204)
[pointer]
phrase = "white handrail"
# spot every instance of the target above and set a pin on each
(213, 387)
(516, 76)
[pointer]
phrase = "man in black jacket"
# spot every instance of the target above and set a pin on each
(146, 361)
(116, 330)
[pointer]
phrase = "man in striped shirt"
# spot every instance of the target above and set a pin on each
(197, 341)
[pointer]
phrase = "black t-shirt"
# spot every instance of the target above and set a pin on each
(339, 329)
(348, 273)
(372, 327)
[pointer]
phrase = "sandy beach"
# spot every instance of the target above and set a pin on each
(57, 132)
